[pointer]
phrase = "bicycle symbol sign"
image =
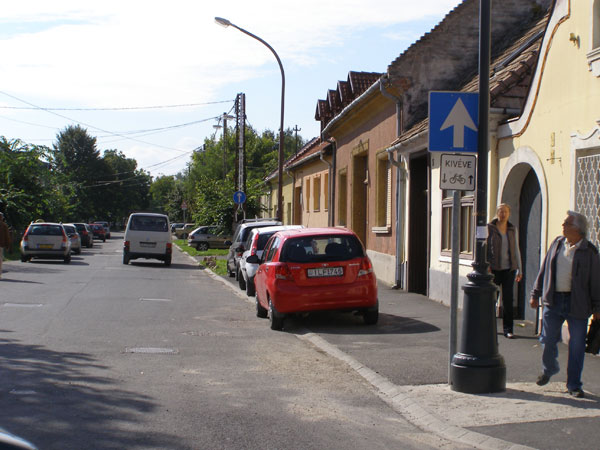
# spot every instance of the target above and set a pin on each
(457, 172)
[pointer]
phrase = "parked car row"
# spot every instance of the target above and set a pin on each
(50, 240)
(292, 269)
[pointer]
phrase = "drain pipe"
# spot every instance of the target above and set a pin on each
(400, 190)
(329, 209)
(292, 175)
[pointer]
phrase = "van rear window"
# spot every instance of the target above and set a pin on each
(148, 223)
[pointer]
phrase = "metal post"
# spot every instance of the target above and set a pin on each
(478, 367)
(454, 280)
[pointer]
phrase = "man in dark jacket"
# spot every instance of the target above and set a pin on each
(569, 286)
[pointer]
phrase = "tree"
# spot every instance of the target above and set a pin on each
(28, 190)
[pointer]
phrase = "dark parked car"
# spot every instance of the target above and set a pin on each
(239, 238)
(87, 237)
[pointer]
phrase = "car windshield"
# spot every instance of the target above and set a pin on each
(46, 230)
(321, 248)
(148, 223)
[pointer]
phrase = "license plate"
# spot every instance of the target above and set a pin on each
(148, 244)
(45, 246)
(325, 272)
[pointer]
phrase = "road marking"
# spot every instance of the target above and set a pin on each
(23, 305)
(22, 392)
(155, 299)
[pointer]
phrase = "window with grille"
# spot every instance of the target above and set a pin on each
(307, 191)
(466, 224)
(587, 193)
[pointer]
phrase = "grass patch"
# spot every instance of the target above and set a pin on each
(219, 265)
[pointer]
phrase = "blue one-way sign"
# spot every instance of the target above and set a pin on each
(453, 121)
(239, 197)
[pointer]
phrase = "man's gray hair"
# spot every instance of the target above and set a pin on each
(579, 221)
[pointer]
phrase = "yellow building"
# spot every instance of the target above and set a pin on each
(548, 159)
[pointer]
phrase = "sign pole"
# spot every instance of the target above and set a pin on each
(454, 282)
(478, 368)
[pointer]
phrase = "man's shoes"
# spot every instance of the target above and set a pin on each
(509, 335)
(542, 379)
(578, 393)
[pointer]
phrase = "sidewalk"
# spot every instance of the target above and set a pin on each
(405, 358)
(407, 361)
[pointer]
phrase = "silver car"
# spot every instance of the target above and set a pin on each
(46, 240)
(255, 244)
(205, 237)
(74, 237)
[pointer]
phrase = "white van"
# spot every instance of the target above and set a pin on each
(147, 236)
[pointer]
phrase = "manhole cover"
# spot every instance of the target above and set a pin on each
(153, 350)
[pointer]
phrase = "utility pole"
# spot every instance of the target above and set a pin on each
(296, 129)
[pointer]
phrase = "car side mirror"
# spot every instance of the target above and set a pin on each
(227, 242)
(253, 259)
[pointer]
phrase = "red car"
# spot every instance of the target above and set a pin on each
(98, 231)
(314, 269)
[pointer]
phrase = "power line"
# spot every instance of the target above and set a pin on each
(126, 108)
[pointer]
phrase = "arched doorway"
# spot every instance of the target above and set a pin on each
(530, 224)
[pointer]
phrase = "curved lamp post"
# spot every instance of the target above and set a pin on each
(226, 23)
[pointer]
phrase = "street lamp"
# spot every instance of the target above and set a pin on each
(226, 23)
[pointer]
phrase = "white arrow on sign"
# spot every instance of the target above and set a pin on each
(459, 118)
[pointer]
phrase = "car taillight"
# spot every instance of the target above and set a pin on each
(254, 248)
(365, 267)
(282, 272)
(239, 253)
(64, 239)
(169, 247)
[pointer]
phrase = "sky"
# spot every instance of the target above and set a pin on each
(151, 79)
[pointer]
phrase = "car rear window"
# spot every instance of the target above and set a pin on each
(46, 230)
(70, 229)
(321, 248)
(263, 238)
(148, 223)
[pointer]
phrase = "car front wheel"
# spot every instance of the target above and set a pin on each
(241, 281)
(202, 246)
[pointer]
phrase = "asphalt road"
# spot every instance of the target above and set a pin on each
(98, 355)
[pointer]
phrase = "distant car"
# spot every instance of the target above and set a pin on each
(45, 240)
(176, 225)
(98, 231)
(106, 227)
(239, 238)
(205, 237)
(74, 237)
(314, 269)
(255, 244)
(86, 234)
(147, 236)
(183, 231)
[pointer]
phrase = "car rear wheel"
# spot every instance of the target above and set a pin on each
(260, 311)
(25, 258)
(371, 316)
(126, 258)
(67, 259)
(241, 281)
(168, 261)
(202, 246)
(275, 318)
